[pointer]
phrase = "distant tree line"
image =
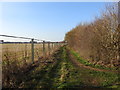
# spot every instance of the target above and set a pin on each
(98, 41)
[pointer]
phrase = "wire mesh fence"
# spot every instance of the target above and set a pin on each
(23, 51)
(14, 56)
(28, 52)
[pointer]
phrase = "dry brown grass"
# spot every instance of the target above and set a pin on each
(16, 58)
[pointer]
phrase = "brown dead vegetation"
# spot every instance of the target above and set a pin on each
(98, 41)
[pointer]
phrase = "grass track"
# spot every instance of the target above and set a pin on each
(62, 73)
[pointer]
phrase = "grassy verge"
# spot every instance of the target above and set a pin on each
(85, 62)
(63, 74)
(69, 76)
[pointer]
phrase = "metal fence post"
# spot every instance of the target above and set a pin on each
(32, 49)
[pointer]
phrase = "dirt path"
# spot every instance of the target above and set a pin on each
(78, 64)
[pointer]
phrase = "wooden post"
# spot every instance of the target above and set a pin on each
(1, 65)
(49, 48)
(25, 53)
(118, 40)
(44, 53)
(32, 50)
(52, 46)
(60, 44)
(57, 45)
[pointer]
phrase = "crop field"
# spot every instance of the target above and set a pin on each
(23, 51)
(20, 50)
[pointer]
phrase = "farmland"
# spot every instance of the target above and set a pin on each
(55, 52)
(23, 51)
(18, 57)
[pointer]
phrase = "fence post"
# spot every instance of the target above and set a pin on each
(25, 53)
(49, 47)
(32, 49)
(52, 47)
(44, 54)
(57, 45)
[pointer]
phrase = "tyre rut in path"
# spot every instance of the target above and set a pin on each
(78, 64)
(43, 77)
(63, 66)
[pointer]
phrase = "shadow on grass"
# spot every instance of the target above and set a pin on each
(43, 77)
(48, 75)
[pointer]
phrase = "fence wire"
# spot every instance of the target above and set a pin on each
(27, 52)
